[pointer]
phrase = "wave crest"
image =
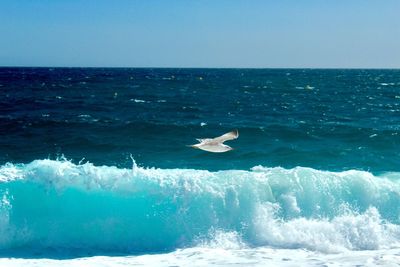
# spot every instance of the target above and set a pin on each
(61, 205)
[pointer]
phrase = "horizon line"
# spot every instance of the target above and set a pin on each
(175, 67)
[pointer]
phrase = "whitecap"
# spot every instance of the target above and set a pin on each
(137, 100)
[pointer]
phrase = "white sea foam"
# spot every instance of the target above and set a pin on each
(137, 100)
(365, 231)
(203, 256)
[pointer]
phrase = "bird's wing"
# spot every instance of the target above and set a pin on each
(228, 136)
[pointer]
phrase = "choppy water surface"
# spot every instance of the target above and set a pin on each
(315, 170)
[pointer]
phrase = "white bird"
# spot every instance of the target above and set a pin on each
(216, 144)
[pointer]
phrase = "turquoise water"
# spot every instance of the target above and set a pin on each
(95, 162)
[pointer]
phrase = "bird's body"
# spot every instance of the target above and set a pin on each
(216, 144)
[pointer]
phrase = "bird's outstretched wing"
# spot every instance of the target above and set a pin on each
(228, 136)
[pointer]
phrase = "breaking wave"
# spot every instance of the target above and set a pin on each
(50, 205)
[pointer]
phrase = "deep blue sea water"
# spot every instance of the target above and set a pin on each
(316, 165)
(324, 119)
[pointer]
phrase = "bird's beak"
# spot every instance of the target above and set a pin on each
(194, 146)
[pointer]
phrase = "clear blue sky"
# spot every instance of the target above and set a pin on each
(214, 33)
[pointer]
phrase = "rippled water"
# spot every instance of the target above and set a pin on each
(95, 162)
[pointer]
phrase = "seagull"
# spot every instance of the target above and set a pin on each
(216, 144)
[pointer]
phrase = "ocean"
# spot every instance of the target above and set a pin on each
(95, 168)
